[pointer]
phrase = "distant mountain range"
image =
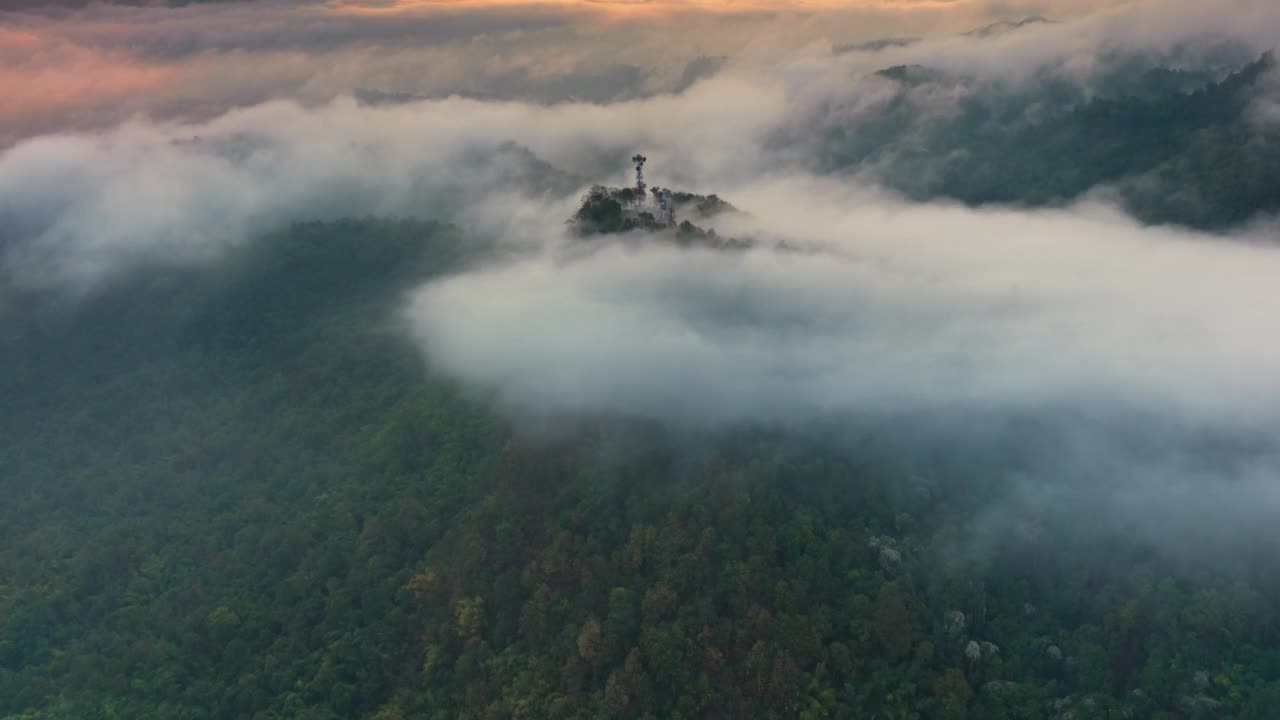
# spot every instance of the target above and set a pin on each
(1173, 145)
(1005, 26)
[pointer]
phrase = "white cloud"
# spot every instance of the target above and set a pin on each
(888, 305)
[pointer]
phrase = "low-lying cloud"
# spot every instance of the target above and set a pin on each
(75, 208)
(874, 304)
(1101, 382)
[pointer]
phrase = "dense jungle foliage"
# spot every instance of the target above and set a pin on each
(234, 491)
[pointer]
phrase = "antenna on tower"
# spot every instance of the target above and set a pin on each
(639, 160)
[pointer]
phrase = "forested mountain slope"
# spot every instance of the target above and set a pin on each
(1173, 146)
(234, 492)
(216, 483)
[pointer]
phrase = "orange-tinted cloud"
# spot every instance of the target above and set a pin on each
(98, 66)
(46, 76)
(657, 7)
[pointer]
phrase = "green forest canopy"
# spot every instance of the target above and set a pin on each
(235, 492)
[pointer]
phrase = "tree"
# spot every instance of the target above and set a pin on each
(892, 623)
(953, 694)
(590, 640)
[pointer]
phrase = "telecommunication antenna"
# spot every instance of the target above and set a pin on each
(639, 160)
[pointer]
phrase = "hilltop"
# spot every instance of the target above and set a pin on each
(613, 211)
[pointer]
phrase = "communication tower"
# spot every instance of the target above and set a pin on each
(639, 160)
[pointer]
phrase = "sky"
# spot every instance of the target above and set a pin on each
(66, 68)
(72, 65)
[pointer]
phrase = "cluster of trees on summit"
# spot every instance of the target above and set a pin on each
(610, 211)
